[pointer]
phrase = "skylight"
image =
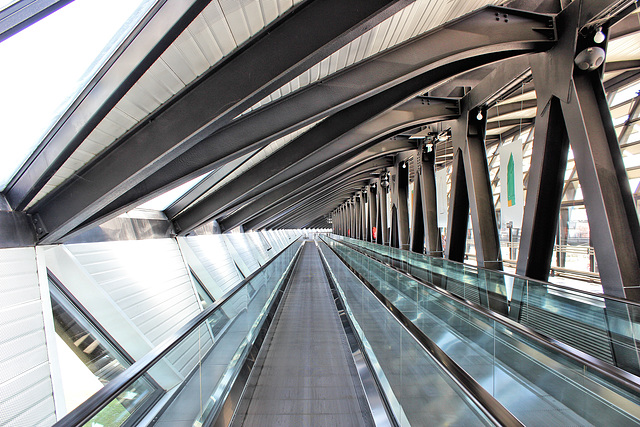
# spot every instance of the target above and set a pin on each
(48, 64)
(6, 3)
(164, 200)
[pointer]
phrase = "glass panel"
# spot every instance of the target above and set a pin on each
(71, 45)
(199, 371)
(532, 380)
(568, 315)
(415, 386)
(88, 360)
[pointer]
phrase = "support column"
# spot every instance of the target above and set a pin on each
(475, 196)
(364, 215)
(425, 219)
(472, 125)
(400, 208)
(345, 218)
(417, 216)
(373, 212)
(348, 218)
(576, 109)
(358, 220)
(352, 220)
(382, 209)
(458, 220)
(544, 189)
(563, 236)
(610, 208)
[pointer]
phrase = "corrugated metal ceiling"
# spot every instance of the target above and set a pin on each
(219, 30)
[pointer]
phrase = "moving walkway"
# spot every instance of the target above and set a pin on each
(326, 335)
(598, 325)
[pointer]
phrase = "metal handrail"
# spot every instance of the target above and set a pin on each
(614, 373)
(113, 388)
(518, 276)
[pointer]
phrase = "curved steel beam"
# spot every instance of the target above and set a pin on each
(297, 212)
(322, 173)
(264, 64)
(329, 183)
(339, 134)
(315, 192)
(471, 41)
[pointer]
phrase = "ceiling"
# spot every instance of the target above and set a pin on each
(270, 113)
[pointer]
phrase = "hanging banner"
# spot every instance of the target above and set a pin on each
(441, 197)
(511, 184)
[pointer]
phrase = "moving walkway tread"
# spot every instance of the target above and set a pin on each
(305, 374)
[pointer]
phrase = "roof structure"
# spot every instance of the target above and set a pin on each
(271, 113)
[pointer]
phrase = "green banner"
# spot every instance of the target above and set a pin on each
(511, 182)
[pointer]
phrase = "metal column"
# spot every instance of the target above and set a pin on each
(356, 216)
(400, 209)
(364, 215)
(458, 220)
(425, 222)
(383, 232)
(373, 212)
(472, 126)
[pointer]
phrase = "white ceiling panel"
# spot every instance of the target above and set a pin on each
(413, 20)
(525, 113)
(216, 32)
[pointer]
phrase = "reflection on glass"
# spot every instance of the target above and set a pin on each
(501, 358)
(206, 299)
(200, 370)
(88, 360)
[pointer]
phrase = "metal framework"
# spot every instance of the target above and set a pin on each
(446, 98)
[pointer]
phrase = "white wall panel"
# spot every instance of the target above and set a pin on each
(245, 253)
(26, 393)
(259, 247)
(148, 281)
(273, 240)
(211, 252)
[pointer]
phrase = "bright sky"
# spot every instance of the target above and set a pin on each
(45, 66)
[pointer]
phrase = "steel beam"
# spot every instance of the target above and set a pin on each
(203, 186)
(524, 32)
(325, 171)
(319, 28)
(23, 13)
(302, 213)
(291, 197)
(16, 230)
(346, 131)
(271, 204)
(146, 43)
(309, 207)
